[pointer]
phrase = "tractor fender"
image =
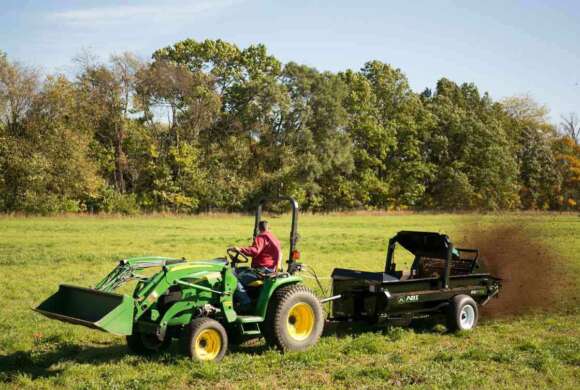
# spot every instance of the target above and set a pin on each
(270, 286)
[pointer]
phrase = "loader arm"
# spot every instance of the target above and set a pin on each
(127, 270)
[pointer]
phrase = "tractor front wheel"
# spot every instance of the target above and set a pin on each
(205, 339)
(295, 319)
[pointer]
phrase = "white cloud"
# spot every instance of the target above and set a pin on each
(143, 12)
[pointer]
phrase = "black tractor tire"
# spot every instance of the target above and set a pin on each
(204, 339)
(147, 344)
(463, 314)
(295, 319)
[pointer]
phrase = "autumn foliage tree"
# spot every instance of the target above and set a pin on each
(206, 125)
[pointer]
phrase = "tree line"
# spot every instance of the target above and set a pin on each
(207, 126)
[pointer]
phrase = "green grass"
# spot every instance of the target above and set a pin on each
(36, 254)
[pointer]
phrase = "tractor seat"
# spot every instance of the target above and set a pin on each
(260, 282)
(256, 283)
(263, 276)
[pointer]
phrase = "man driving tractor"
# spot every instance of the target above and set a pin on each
(265, 253)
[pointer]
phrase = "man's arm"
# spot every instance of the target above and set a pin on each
(255, 249)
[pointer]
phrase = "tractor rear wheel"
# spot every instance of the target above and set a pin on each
(295, 319)
(205, 339)
(462, 314)
(147, 344)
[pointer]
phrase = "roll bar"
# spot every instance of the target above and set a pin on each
(292, 266)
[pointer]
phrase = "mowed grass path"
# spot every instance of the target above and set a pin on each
(36, 254)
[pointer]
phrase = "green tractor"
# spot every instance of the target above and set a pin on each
(192, 301)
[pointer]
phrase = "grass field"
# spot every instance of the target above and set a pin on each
(540, 349)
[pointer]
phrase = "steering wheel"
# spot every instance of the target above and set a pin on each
(235, 255)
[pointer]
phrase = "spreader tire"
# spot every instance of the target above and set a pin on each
(205, 339)
(146, 344)
(295, 319)
(462, 314)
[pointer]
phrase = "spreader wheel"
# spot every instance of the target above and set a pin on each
(295, 319)
(205, 339)
(147, 344)
(463, 314)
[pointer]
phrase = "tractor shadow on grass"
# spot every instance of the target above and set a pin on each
(43, 364)
(39, 364)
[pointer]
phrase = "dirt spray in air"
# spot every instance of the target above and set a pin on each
(531, 281)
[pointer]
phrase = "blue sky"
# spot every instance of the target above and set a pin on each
(505, 47)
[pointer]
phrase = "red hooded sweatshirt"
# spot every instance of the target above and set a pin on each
(265, 251)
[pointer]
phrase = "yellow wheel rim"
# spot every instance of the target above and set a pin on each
(300, 321)
(208, 344)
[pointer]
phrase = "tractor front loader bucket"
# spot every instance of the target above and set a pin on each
(96, 309)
